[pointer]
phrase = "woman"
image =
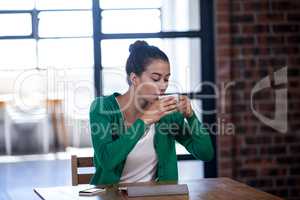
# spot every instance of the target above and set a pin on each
(134, 133)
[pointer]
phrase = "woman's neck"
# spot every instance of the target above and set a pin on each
(128, 105)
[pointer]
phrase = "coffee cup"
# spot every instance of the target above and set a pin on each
(176, 96)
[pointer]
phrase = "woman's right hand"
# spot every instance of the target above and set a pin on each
(158, 109)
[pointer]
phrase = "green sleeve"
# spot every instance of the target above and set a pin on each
(195, 138)
(108, 152)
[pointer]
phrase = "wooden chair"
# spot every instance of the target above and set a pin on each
(79, 162)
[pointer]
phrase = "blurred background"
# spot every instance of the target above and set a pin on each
(242, 58)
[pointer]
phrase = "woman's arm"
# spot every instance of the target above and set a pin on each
(195, 138)
(111, 152)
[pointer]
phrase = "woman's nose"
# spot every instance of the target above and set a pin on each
(163, 85)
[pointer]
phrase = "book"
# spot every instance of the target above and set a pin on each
(156, 190)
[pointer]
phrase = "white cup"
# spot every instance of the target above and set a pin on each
(170, 95)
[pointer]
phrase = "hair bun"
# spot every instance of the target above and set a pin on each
(137, 44)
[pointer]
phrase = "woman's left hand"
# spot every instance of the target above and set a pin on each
(184, 106)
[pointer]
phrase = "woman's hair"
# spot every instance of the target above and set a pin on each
(141, 55)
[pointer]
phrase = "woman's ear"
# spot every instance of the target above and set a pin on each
(132, 78)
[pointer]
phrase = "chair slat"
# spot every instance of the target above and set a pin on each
(85, 162)
(78, 162)
(74, 167)
(84, 178)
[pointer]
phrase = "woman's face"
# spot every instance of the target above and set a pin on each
(154, 81)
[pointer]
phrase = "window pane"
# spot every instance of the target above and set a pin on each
(63, 4)
(131, 21)
(17, 54)
(109, 4)
(65, 24)
(115, 52)
(28, 87)
(183, 54)
(114, 80)
(15, 24)
(16, 4)
(176, 15)
(197, 107)
(65, 53)
(75, 86)
(180, 15)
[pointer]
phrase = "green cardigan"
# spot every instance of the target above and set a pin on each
(112, 143)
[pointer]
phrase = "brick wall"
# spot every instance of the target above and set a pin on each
(255, 38)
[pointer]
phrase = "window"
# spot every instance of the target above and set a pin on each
(131, 21)
(24, 50)
(16, 5)
(181, 15)
(66, 53)
(75, 47)
(15, 24)
(65, 24)
(124, 4)
(51, 38)
(63, 4)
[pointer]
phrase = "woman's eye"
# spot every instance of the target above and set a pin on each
(166, 80)
(155, 80)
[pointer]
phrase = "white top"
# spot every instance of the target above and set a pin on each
(141, 162)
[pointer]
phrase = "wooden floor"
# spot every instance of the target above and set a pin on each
(17, 179)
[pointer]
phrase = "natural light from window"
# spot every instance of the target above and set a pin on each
(60, 53)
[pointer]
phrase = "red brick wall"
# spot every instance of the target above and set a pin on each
(254, 38)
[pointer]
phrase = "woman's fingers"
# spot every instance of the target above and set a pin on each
(165, 99)
(185, 106)
(169, 104)
(170, 107)
(182, 105)
(181, 98)
(181, 102)
(168, 112)
(158, 109)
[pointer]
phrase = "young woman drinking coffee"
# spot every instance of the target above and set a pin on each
(134, 133)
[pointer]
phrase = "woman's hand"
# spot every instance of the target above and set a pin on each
(184, 106)
(158, 109)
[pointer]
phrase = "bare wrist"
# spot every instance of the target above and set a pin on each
(190, 114)
(146, 121)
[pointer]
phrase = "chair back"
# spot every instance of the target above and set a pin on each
(77, 163)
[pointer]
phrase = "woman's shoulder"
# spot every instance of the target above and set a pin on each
(103, 103)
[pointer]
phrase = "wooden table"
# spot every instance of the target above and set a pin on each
(202, 189)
